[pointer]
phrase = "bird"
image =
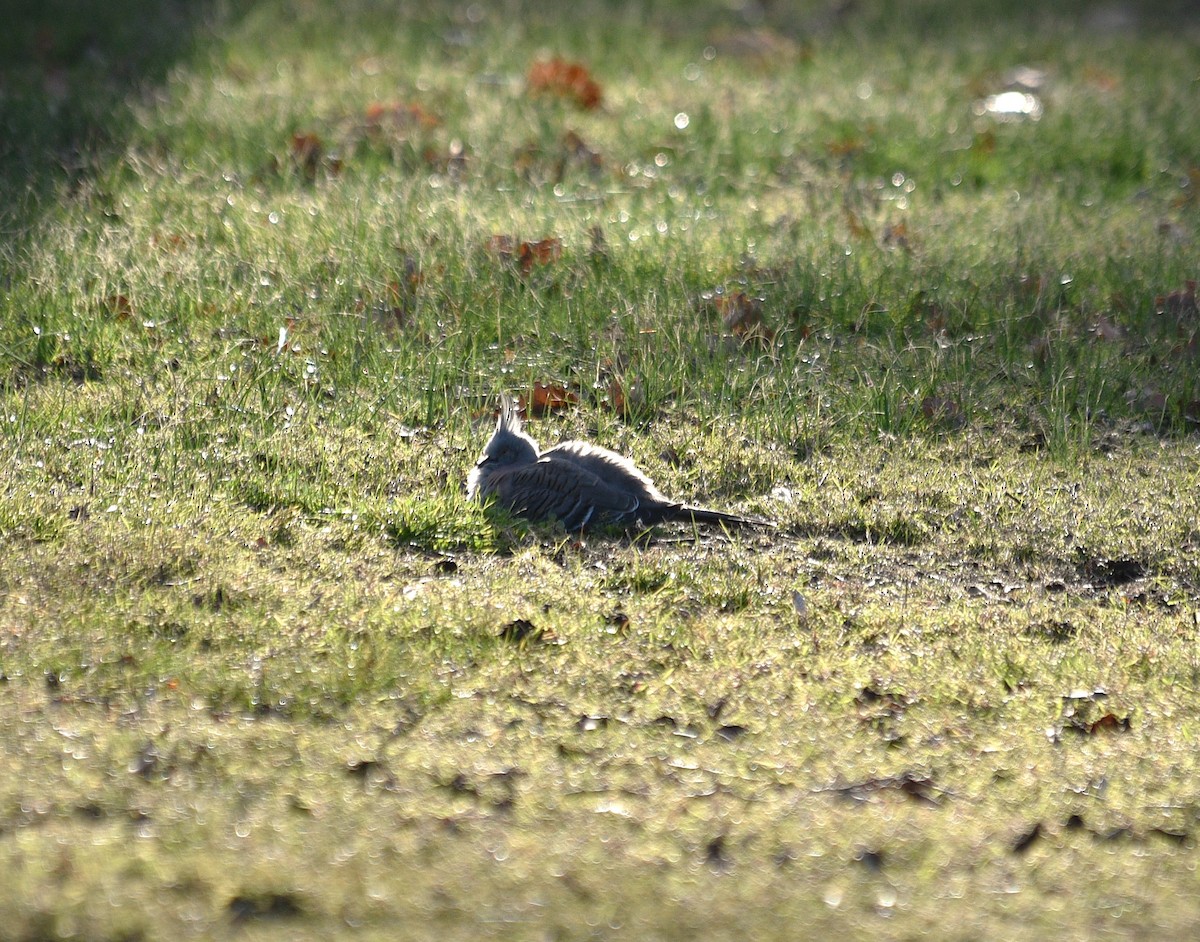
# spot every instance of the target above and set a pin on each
(579, 484)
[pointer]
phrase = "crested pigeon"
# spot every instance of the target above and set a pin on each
(580, 485)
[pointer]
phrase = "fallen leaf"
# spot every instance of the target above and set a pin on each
(741, 314)
(550, 397)
(526, 255)
(1109, 722)
(307, 153)
(564, 79)
(542, 252)
(119, 306)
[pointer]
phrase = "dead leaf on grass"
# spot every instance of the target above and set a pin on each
(548, 397)
(119, 306)
(524, 255)
(564, 79)
(741, 314)
(308, 153)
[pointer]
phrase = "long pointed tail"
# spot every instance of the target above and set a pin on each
(687, 514)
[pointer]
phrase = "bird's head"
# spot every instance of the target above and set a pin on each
(508, 447)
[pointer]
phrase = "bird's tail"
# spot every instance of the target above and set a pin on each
(688, 514)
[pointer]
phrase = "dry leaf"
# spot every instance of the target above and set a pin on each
(119, 306)
(565, 79)
(307, 153)
(1110, 722)
(550, 397)
(542, 252)
(740, 313)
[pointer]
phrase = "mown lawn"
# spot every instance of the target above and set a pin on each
(916, 281)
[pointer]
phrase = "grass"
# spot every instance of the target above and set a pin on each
(266, 673)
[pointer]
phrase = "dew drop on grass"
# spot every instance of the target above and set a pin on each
(682, 121)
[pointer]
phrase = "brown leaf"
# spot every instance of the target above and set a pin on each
(564, 79)
(119, 306)
(550, 397)
(1110, 722)
(617, 402)
(542, 252)
(307, 152)
(740, 313)
(526, 255)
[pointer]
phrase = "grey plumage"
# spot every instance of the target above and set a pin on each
(578, 484)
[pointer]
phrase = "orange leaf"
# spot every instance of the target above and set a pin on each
(1110, 722)
(542, 252)
(307, 148)
(550, 397)
(616, 396)
(565, 80)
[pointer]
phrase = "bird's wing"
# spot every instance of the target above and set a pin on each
(563, 489)
(613, 469)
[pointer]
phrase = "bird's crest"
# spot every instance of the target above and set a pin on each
(510, 418)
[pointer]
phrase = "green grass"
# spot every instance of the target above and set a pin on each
(258, 675)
